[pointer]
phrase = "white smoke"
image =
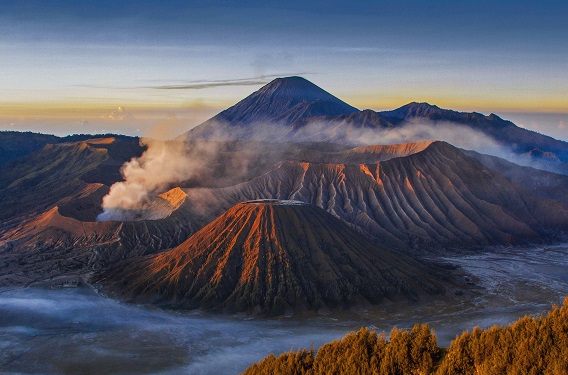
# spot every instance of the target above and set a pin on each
(165, 164)
(337, 132)
(456, 134)
(161, 165)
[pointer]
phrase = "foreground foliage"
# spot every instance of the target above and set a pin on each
(532, 345)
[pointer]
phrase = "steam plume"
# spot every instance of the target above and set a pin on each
(160, 166)
(165, 164)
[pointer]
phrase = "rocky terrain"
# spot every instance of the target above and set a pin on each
(415, 198)
(273, 256)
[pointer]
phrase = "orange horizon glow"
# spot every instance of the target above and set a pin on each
(74, 110)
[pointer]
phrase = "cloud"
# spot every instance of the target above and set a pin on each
(205, 84)
(121, 114)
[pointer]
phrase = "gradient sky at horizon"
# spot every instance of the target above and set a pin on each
(66, 66)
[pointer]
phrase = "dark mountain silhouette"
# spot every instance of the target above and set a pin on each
(279, 103)
(15, 144)
(272, 256)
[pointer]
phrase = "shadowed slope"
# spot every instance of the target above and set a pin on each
(271, 256)
(541, 183)
(60, 172)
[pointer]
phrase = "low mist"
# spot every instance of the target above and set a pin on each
(166, 164)
(75, 331)
(456, 134)
(79, 331)
(340, 133)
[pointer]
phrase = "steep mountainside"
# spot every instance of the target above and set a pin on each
(60, 172)
(438, 196)
(417, 196)
(542, 183)
(278, 104)
(269, 257)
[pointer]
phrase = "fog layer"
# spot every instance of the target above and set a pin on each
(77, 331)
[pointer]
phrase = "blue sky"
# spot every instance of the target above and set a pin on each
(74, 61)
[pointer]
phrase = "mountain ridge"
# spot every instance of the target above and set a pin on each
(308, 113)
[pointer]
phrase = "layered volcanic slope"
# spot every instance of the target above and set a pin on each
(437, 196)
(61, 172)
(269, 256)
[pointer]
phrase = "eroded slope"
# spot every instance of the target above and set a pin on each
(271, 256)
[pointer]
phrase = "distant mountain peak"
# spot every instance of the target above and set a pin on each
(298, 90)
(415, 109)
(281, 102)
(289, 85)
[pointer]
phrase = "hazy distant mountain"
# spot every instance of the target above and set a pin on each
(294, 109)
(272, 257)
(541, 183)
(279, 103)
(502, 131)
(14, 145)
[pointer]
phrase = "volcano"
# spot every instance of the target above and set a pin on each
(270, 257)
(293, 109)
(276, 105)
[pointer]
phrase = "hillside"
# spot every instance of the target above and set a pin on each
(532, 345)
(271, 257)
(437, 196)
(292, 109)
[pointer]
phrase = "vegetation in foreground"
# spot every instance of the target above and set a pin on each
(532, 345)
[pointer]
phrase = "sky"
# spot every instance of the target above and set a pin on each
(67, 66)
